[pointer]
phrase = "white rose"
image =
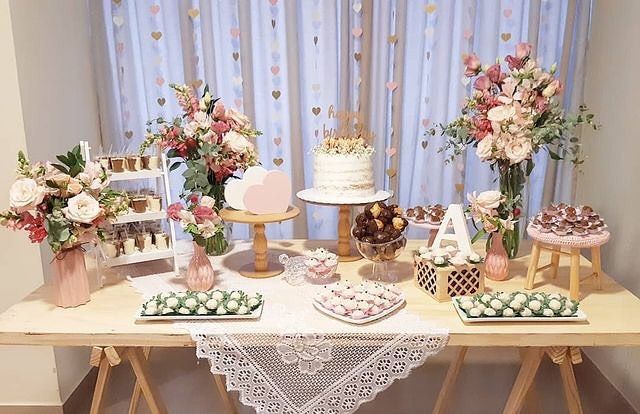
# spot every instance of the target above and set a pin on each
(202, 310)
(190, 303)
(484, 150)
(171, 302)
(535, 305)
(186, 217)
(25, 194)
(500, 113)
(518, 150)
(207, 201)
(82, 209)
(547, 312)
(551, 89)
(203, 120)
(236, 142)
(208, 229)
(489, 200)
(211, 304)
(508, 312)
(240, 119)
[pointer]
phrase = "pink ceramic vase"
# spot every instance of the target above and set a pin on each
(200, 274)
(70, 281)
(496, 264)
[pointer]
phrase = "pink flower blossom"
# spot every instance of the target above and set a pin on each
(220, 127)
(174, 211)
(523, 50)
(219, 110)
(472, 65)
(203, 213)
(482, 83)
(494, 73)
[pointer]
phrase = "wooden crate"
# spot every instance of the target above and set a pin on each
(443, 283)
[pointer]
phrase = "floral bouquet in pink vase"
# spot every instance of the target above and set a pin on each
(66, 204)
(514, 112)
(212, 141)
(199, 218)
(487, 210)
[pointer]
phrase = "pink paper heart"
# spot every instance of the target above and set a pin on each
(235, 31)
(159, 81)
(270, 197)
(391, 151)
(507, 13)
(392, 85)
(467, 33)
(277, 140)
(155, 9)
(275, 69)
(357, 31)
(119, 48)
(273, 2)
(426, 122)
(238, 103)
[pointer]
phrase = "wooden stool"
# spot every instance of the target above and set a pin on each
(572, 245)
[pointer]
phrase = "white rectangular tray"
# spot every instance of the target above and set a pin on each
(579, 316)
(381, 315)
(255, 314)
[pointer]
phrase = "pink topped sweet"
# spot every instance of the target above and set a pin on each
(358, 302)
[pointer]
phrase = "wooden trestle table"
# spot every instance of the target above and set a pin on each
(107, 324)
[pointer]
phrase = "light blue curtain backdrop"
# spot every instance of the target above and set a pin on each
(285, 62)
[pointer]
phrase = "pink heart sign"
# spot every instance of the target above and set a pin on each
(270, 197)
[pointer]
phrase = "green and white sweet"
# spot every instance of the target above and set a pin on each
(213, 302)
(517, 304)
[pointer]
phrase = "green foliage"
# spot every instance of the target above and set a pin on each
(72, 163)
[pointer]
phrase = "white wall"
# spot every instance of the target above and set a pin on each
(612, 171)
(20, 274)
(52, 45)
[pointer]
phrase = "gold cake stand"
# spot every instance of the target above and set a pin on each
(344, 250)
(261, 267)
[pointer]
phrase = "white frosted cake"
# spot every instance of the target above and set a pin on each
(343, 167)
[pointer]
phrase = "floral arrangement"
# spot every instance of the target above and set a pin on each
(447, 256)
(199, 219)
(487, 210)
(320, 263)
(511, 115)
(213, 142)
(212, 302)
(66, 203)
(517, 304)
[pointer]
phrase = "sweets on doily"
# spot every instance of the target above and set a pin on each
(358, 301)
(432, 214)
(564, 219)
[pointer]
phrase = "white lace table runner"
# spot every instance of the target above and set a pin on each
(295, 359)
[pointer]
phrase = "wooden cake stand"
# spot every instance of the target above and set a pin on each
(262, 267)
(345, 253)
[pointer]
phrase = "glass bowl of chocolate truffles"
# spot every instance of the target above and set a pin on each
(379, 235)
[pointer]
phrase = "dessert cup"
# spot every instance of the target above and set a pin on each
(154, 162)
(162, 240)
(134, 163)
(145, 161)
(105, 162)
(139, 204)
(129, 246)
(111, 248)
(154, 203)
(118, 164)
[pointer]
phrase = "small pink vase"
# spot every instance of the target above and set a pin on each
(496, 264)
(70, 281)
(200, 274)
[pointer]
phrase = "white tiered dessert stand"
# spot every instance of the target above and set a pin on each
(344, 250)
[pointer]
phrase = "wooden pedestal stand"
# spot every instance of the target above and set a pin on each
(261, 267)
(344, 251)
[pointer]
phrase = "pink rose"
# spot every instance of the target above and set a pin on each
(220, 127)
(203, 213)
(482, 83)
(472, 65)
(482, 127)
(523, 50)
(174, 210)
(514, 62)
(219, 110)
(541, 104)
(494, 73)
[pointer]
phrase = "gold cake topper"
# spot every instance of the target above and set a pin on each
(350, 124)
